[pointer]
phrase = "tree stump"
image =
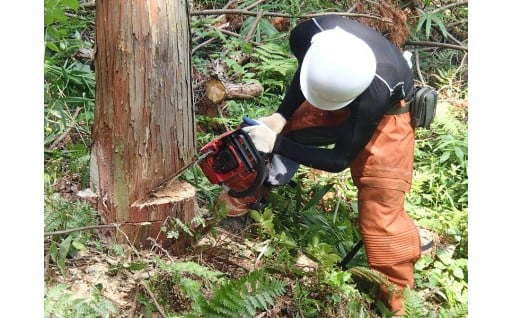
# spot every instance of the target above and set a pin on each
(149, 217)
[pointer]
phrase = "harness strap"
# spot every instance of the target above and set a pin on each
(401, 107)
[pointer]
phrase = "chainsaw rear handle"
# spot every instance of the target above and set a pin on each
(259, 167)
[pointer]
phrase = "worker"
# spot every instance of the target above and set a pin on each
(351, 91)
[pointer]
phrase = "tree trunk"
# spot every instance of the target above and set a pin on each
(143, 134)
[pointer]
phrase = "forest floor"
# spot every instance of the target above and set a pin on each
(120, 279)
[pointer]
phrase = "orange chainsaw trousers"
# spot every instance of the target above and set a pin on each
(382, 173)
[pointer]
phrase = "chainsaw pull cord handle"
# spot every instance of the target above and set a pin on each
(260, 167)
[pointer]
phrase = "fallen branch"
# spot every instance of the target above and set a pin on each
(449, 36)
(95, 227)
(231, 33)
(285, 15)
(205, 43)
(418, 70)
(251, 32)
(229, 4)
(150, 293)
(155, 244)
(437, 44)
(91, 4)
(451, 5)
(83, 228)
(57, 141)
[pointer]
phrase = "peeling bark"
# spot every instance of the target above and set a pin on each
(143, 132)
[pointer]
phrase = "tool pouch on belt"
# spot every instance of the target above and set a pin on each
(423, 106)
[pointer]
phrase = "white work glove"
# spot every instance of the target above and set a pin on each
(276, 122)
(262, 137)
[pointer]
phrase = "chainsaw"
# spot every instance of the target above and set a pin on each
(232, 161)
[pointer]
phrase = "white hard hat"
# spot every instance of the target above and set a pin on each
(337, 68)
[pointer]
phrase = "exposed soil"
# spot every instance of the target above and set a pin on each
(120, 276)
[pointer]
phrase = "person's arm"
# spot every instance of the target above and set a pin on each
(353, 135)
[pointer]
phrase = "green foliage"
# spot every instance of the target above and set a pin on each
(59, 302)
(263, 30)
(297, 218)
(442, 22)
(59, 252)
(414, 304)
(187, 278)
(243, 297)
(304, 302)
(444, 17)
(274, 66)
(318, 217)
(55, 10)
(240, 297)
(297, 7)
(450, 79)
(439, 194)
(446, 277)
(322, 252)
(61, 214)
(426, 20)
(69, 87)
(340, 280)
(439, 201)
(179, 269)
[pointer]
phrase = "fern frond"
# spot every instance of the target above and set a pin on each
(190, 287)
(180, 268)
(446, 119)
(459, 310)
(235, 299)
(275, 65)
(413, 304)
(60, 302)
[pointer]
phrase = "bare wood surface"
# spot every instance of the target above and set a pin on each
(217, 90)
(242, 90)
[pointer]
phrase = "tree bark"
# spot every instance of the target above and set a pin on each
(143, 133)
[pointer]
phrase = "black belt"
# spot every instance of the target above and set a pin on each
(397, 109)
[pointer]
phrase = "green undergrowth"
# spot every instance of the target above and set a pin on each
(316, 218)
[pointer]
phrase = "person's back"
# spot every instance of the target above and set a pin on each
(391, 82)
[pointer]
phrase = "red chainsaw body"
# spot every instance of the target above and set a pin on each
(232, 161)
